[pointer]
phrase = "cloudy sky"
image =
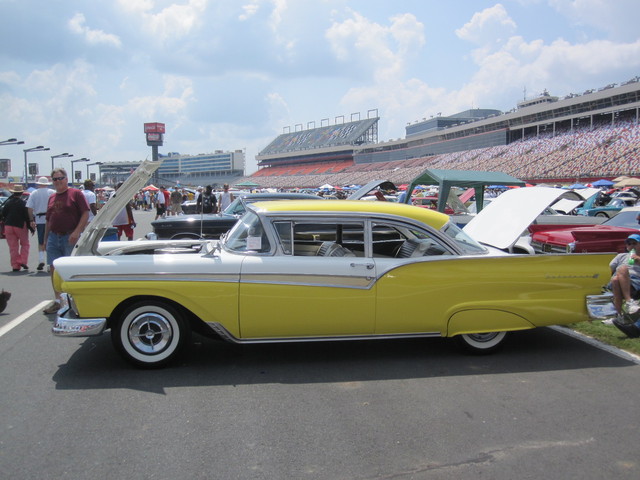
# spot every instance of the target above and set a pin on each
(83, 76)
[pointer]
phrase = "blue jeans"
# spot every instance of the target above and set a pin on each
(58, 246)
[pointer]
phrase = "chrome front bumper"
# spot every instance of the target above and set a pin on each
(68, 324)
(600, 307)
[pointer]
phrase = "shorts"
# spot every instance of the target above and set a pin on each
(160, 210)
(40, 228)
(126, 229)
(58, 246)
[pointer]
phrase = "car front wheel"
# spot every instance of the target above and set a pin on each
(150, 334)
(481, 343)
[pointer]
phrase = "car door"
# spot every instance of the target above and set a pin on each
(417, 280)
(314, 286)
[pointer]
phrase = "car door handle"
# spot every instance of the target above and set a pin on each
(368, 265)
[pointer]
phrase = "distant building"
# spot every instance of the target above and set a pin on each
(207, 168)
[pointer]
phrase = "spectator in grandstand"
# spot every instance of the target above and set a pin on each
(226, 197)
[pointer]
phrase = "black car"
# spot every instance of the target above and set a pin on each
(209, 225)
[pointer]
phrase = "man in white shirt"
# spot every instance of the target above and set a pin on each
(37, 206)
(90, 195)
(226, 197)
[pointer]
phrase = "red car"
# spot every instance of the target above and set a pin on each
(430, 202)
(607, 237)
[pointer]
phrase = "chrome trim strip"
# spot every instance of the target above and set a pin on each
(227, 336)
(155, 276)
(310, 280)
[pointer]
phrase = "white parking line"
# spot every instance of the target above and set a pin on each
(17, 321)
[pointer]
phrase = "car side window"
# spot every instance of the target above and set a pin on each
(285, 235)
(394, 241)
(327, 239)
(248, 236)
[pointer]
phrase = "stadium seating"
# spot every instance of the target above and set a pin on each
(604, 151)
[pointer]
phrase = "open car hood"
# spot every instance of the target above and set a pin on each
(88, 243)
(373, 185)
(502, 222)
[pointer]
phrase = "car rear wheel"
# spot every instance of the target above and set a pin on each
(186, 236)
(481, 343)
(602, 214)
(150, 334)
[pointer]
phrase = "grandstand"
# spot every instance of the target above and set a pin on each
(317, 151)
(578, 138)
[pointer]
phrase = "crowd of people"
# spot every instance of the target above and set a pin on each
(594, 151)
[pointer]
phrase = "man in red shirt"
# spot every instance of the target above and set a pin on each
(67, 215)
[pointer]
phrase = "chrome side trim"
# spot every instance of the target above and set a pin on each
(310, 280)
(227, 336)
(155, 276)
(600, 307)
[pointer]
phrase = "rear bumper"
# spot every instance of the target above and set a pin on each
(600, 307)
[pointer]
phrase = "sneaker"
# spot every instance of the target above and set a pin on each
(629, 330)
(24, 267)
(40, 266)
(608, 321)
(632, 307)
(53, 307)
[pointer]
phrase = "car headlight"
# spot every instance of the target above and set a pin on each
(151, 236)
(571, 247)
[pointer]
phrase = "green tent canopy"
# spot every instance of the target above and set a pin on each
(475, 179)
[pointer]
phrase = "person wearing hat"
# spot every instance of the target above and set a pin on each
(625, 282)
(37, 206)
(16, 228)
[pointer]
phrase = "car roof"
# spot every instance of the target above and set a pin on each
(430, 217)
(281, 195)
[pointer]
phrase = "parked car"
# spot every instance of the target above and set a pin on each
(430, 202)
(607, 237)
(211, 225)
(308, 270)
(609, 210)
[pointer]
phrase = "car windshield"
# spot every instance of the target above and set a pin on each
(464, 241)
(247, 236)
(625, 219)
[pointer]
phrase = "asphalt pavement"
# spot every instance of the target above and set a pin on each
(548, 405)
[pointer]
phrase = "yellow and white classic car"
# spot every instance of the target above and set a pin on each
(307, 271)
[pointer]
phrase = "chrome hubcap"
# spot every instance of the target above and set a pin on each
(150, 333)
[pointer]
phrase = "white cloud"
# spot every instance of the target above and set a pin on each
(368, 46)
(249, 10)
(93, 37)
(619, 18)
(491, 25)
(171, 22)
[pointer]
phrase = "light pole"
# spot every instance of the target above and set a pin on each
(59, 156)
(11, 141)
(91, 164)
(39, 148)
(83, 159)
